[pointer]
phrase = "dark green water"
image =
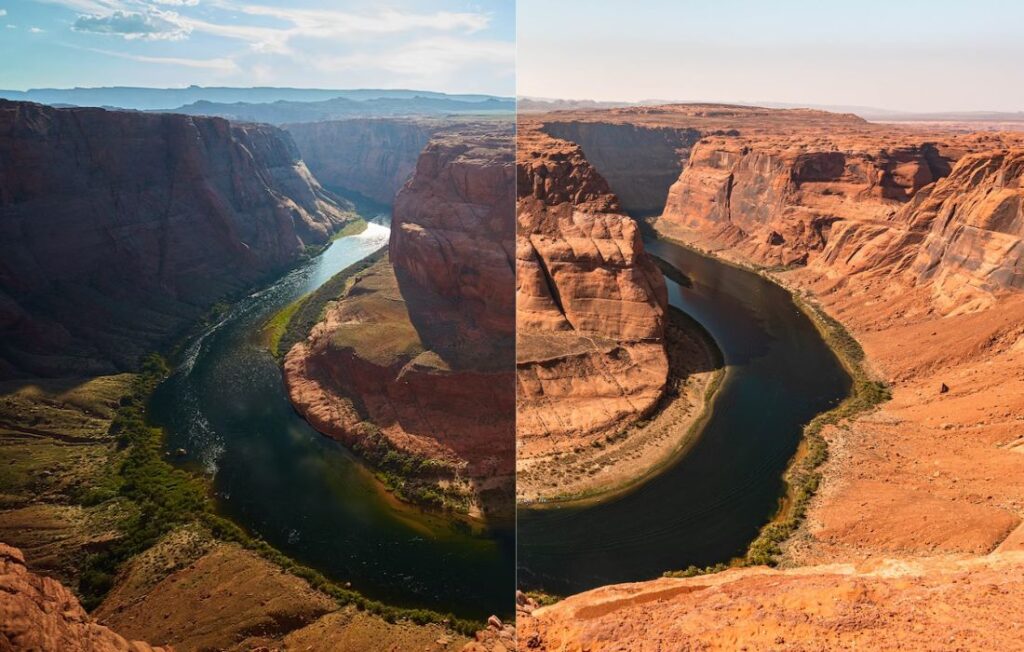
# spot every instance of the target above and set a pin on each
(304, 493)
(710, 505)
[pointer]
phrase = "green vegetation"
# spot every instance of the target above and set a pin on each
(162, 498)
(413, 478)
(543, 599)
(803, 476)
(355, 227)
(293, 323)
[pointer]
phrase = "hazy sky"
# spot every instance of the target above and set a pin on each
(898, 54)
(444, 45)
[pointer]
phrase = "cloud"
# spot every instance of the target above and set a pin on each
(425, 56)
(3, 12)
(225, 65)
(152, 25)
(36, 30)
(177, 3)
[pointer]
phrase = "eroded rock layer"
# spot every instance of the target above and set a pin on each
(417, 355)
(590, 308)
(38, 613)
(117, 229)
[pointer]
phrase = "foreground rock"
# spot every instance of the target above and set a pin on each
(119, 229)
(38, 613)
(931, 604)
(415, 357)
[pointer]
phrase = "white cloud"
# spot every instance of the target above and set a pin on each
(152, 25)
(36, 30)
(225, 65)
(3, 12)
(177, 3)
(433, 56)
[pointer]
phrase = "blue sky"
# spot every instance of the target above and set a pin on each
(920, 55)
(443, 45)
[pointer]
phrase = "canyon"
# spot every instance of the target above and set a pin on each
(910, 237)
(123, 233)
(120, 229)
(413, 359)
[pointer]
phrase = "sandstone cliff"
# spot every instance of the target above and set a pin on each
(590, 309)
(371, 157)
(38, 613)
(117, 229)
(911, 239)
(416, 355)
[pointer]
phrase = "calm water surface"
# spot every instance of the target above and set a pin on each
(707, 507)
(304, 493)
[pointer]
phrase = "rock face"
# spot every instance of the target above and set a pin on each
(590, 309)
(371, 157)
(961, 236)
(417, 354)
(117, 229)
(38, 613)
(780, 200)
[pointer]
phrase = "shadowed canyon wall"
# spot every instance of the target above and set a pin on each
(639, 163)
(416, 355)
(373, 157)
(117, 229)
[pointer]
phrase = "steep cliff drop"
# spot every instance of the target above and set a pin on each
(119, 229)
(592, 324)
(412, 365)
(912, 240)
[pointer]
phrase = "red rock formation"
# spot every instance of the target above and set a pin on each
(38, 613)
(371, 157)
(421, 350)
(590, 309)
(119, 228)
(911, 239)
(452, 229)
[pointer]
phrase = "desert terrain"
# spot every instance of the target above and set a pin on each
(910, 237)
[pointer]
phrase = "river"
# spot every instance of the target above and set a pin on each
(305, 494)
(707, 507)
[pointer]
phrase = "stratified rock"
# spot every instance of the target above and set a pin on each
(417, 354)
(590, 308)
(117, 229)
(38, 613)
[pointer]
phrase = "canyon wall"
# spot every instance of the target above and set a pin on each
(591, 306)
(373, 157)
(117, 229)
(639, 163)
(416, 355)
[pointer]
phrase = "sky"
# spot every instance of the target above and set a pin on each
(439, 45)
(934, 55)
